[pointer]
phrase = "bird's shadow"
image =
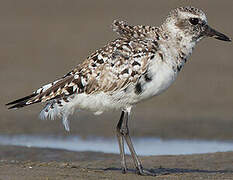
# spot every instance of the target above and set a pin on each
(166, 171)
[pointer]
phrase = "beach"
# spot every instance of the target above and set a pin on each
(35, 163)
(43, 40)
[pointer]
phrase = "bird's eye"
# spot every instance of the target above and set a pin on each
(194, 21)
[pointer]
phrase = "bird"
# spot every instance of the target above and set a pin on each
(141, 63)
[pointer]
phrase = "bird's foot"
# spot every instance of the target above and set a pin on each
(143, 172)
(123, 170)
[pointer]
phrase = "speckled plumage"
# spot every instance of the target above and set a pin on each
(141, 63)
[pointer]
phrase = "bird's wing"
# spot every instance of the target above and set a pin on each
(118, 64)
(139, 31)
(109, 69)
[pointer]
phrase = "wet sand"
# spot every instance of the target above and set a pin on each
(44, 164)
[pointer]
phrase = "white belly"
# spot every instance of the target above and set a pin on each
(97, 103)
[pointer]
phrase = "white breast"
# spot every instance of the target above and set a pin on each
(162, 77)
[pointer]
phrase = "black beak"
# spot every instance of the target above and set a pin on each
(210, 32)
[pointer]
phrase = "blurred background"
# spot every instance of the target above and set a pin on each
(41, 41)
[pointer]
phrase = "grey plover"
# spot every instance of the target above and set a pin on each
(143, 62)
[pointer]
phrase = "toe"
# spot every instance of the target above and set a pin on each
(123, 170)
(143, 172)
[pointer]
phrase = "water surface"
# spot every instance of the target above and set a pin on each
(143, 146)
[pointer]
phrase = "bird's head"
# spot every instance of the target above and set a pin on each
(191, 24)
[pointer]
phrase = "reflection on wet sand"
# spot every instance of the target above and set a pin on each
(155, 146)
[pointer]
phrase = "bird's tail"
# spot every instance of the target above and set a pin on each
(45, 93)
(19, 103)
(57, 94)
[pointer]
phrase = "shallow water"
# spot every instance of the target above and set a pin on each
(143, 146)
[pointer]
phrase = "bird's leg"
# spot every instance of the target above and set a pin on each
(120, 139)
(137, 162)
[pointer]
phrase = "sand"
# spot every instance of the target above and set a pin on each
(35, 163)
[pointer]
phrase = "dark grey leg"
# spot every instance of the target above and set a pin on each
(120, 139)
(136, 160)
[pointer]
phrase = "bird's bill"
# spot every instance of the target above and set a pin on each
(210, 32)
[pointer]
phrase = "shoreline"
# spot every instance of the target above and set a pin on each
(157, 146)
(37, 163)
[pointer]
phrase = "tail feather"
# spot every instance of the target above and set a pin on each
(21, 102)
(59, 88)
(43, 93)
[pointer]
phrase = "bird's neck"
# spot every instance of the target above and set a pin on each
(170, 32)
(177, 45)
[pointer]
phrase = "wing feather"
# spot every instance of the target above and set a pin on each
(112, 68)
(139, 31)
(117, 65)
